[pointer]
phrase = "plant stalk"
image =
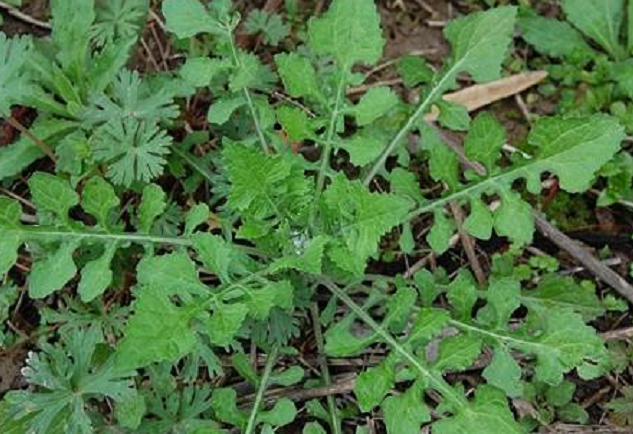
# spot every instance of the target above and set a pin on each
(263, 385)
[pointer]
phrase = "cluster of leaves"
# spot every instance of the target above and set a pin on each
(92, 111)
(244, 266)
(591, 50)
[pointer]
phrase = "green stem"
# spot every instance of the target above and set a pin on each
(415, 117)
(53, 234)
(476, 189)
(436, 381)
(325, 155)
(263, 385)
(325, 371)
(501, 337)
(247, 95)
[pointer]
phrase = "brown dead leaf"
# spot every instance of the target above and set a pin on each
(481, 95)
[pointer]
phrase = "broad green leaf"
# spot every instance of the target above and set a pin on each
(299, 76)
(288, 377)
(310, 428)
(99, 198)
(349, 31)
(53, 272)
(363, 148)
(215, 253)
(439, 236)
(174, 273)
(282, 414)
(599, 20)
(71, 22)
(405, 413)
(261, 301)
(479, 222)
(296, 123)
(555, 292)
(453, 116)
(153, 204)
(130, 411)
(245, 75)
(443, 163)
(308, 259)
(484, 140)
(373, 384)
(575, 148)
(197, 215)
(504, 372)
(514, 219)
(399, 308)
(158, 331)
(552, 37)
(503, 297)
(224, 404)
(566, 343)
(222, 110)
(261, 185)
(21, 425)
(458, 353)
(15, 83)
(414, 71)
(187, 18)
(375, 103)
(404, 183)
(10, 213)
(487, 413)
(407, 239)
(340, 342)
(96, 275)
(366, 216)
(480, 41)
(16, 157)
(53, 194)
(200, 71)
(225, 323)
(269, 25)
(561, 394)
(429, 323)
(462, 295)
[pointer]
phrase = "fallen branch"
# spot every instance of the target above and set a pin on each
(16, 13)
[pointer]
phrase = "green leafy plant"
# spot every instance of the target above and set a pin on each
(91, 110)
(150, 290)
(594, 47)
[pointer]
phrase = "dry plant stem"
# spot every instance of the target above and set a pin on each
(16, 13)
(582, 255)
(420, 264)
(325, 371)
(469, 244)
(39, 143)
(576, 249)
(624, 334)
(365, 87)
(582, 429)
(340, 386)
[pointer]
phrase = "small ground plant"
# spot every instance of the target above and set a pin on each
(590, 61)
(163, 254)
